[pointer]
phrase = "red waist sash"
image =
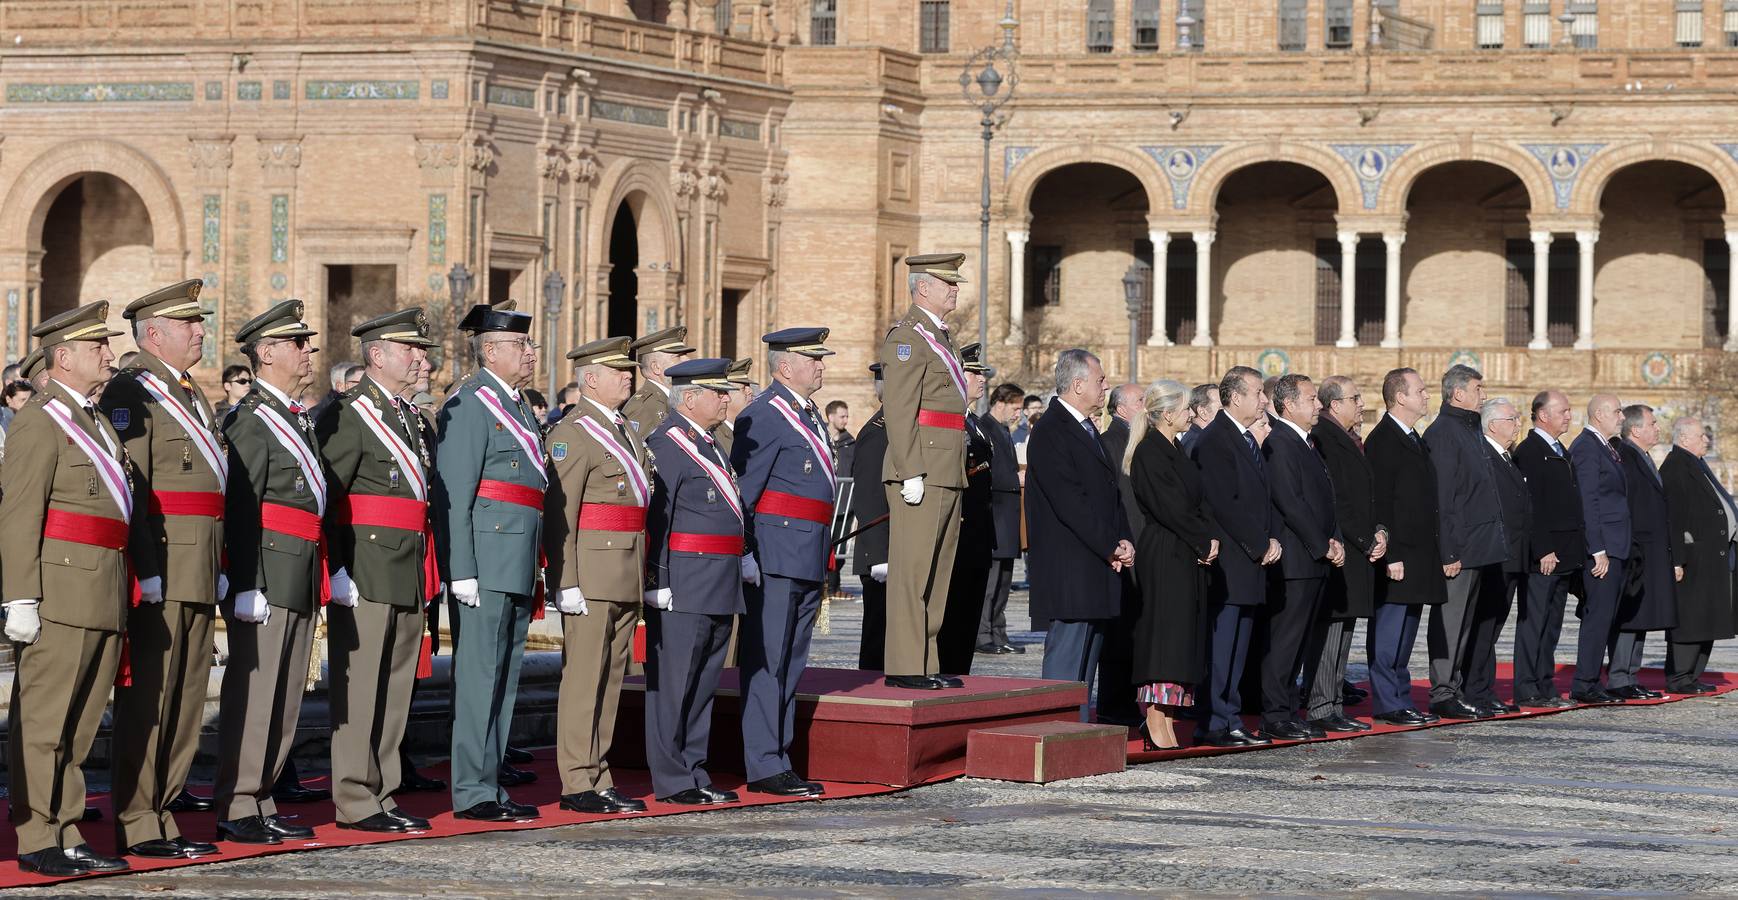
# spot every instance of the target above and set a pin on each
(933, 419)
(716, 544)
(110, 534)
(403, 513)
(611, 517)
(299, 523)
(526, 496)
(779, 503)
(187, 503)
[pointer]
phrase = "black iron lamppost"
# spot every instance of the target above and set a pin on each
(554, 289)
(459, 282)
(1132, 283)
(986, 87)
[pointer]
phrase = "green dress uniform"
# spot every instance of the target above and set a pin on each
(380, 537)
(170, 432)
(923, 405)
(648, 406)
(595, 538)
(67, 505)
(490, 486)
(274, 515)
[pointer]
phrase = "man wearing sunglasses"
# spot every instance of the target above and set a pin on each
(237, 381)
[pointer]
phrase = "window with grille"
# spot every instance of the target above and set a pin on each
(1293, 24)
(1536, 24)
(1191, 24)
(723, 15)
(1729, 22)
(1490, 25)
(1043, 275)
(1338, 18)
(933, 16)
(1716, 264)
(1688, 27)
(1100, 26)
(1144, 25)
(1585, 29)
(824, 23)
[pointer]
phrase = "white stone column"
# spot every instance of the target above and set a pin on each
(1203, 284)
(1541, 290)
(1731, 292)
(1016, 284)
(1348, 289)
(1584, 313)
(1391, 299)
(1161, 258)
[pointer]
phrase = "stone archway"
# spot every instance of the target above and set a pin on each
(644, 262)
(1222, 166)
(1397, 187)
(1023, 180)
(1603, 166)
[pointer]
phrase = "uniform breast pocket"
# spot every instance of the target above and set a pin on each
(502, 442)
(71, 555)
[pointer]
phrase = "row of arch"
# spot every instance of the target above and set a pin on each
(1585, 191)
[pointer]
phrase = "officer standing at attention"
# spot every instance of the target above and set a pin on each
(384, 571)
(274, 514)
(490, 504)
(869, 552)
(655, 352)
(784, 464)
(595, 540)
(169, 430)
(69, 499)
(694, 527)
(924, 407)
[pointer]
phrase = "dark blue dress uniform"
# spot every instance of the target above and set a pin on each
(785, 466)
(694, 530)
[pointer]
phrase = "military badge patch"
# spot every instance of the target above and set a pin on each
(121, 418)
(903, 351)
(558, 451)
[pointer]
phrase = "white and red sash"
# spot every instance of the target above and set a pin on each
(291, 439)
(953, 367)
(192, 422)
(527, 440)
(726, 485)
(106, 460)
(407, 459)
(824, 452)
(636, 473)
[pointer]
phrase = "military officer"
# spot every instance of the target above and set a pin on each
(596, 550)
(68, 501)
(694, 526)
(383, 569)
(924, 407)
(958, 639)
(655, 352)
(169, 430)
(491, 484)
(274, 515)
(784, 464)
(869, 552)
(743, 390)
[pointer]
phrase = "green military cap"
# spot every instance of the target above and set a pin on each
(801, 341)
(177, 301)
(945, 266)
(89, 322)
(670, 340)
(610, 351)
(972, 359)
(32, 365)
(283, 320)
(738, 372)
(706, 373)
(406, 326)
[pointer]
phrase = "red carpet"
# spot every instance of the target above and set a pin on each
(1653, 679)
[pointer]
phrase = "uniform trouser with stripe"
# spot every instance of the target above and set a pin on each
(157, 718)
(488, 645)
(595, 652)
(775, 635)
(373, 648)
(59, 690)
(920, 556)
(261, 702)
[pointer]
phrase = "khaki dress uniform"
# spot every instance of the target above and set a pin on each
(67, 504)
(923, 405)
(595, 544)
(651, 403)
(170, 432)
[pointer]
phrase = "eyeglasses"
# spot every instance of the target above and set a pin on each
(300, 342)
(526, 345)
(241, 381)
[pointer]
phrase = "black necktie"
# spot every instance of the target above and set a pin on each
(1419, 439)
(1507, 458)
(1254, 449)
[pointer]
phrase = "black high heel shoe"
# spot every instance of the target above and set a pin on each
(1147, 739)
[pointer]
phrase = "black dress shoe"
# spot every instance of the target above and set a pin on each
(486, 811)
(1285, 731)
(414, 782)
(295, 793)
(410, 822)
(191, 848)
(1552, 702)
(909, 682)
(1234, 737)
(1628, 692)
(1405, 718)
(1013, 648)
(51, 862)
(508, 776)
(1339, 724)
(1454, 708)
(380, 822)
(627, 804)
(589, 802)
(91, 814)
(251, 830)
(689, 797)
(282, 828)
(91, 861)
(522, 812)
(947, 681)
(1702, 687)
(156, 848)
(189, 802)
(784, 784)
(1316, 731)
(717, 795)
(1594, 697)
(989, 649)
(517, 756)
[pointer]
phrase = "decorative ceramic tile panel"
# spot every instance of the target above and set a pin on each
(630, 113)
(102, 92)
(361, 90)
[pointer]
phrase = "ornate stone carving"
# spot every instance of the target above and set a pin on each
(583, 169)
(777, 185)
(482, 155)
(553, 165)
(282, 153)
(210, 154)
(437, 154)
(684, 183)
(714, 185)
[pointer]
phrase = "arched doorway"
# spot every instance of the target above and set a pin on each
(624, 282)
(1662, 257)
(1275, 235)
(1468, 260)
(96, 245)
(1089, 224)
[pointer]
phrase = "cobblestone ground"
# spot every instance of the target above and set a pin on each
(1624, 801)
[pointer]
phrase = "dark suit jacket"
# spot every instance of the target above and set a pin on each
(1405, 482)
(869, 498)
(1557, 523)
(1604, 495)
(1074, 520)
(1466, 492)
(1517, 503)
(1702, 543)
(1650, 591)
(1303, 496)
(1240, 504)
(1116, 436)
(1187, 439)
(1004, 490)
(1352, 587)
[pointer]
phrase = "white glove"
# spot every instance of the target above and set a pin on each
(571, 602)
(879, 572)
(22, 623)
(251, 606)
(344, 591)
(912, 490)
(151, 589)
(222, 586)
(750, 569)
(659, 599)
(465, 591)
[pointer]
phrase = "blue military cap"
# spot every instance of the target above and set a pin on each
(875, 370)
(804, 341)
(711, 373)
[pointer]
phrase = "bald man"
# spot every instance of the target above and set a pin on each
(1605, 520)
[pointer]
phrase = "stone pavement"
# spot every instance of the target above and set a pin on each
(1631, 800)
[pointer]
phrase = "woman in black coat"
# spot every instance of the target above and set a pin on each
(1701, 543)
(1172, 552)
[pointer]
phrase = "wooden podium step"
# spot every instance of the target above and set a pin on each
(1042, 752)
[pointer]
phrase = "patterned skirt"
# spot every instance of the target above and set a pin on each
(1165, 693)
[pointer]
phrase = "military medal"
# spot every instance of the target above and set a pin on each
(186, 458)
(808, 466)
(301, 484)
(392, 476)
(711, 493)
(93, 486)
(621, 487)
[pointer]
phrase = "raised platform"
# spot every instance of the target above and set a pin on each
(853, 729)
